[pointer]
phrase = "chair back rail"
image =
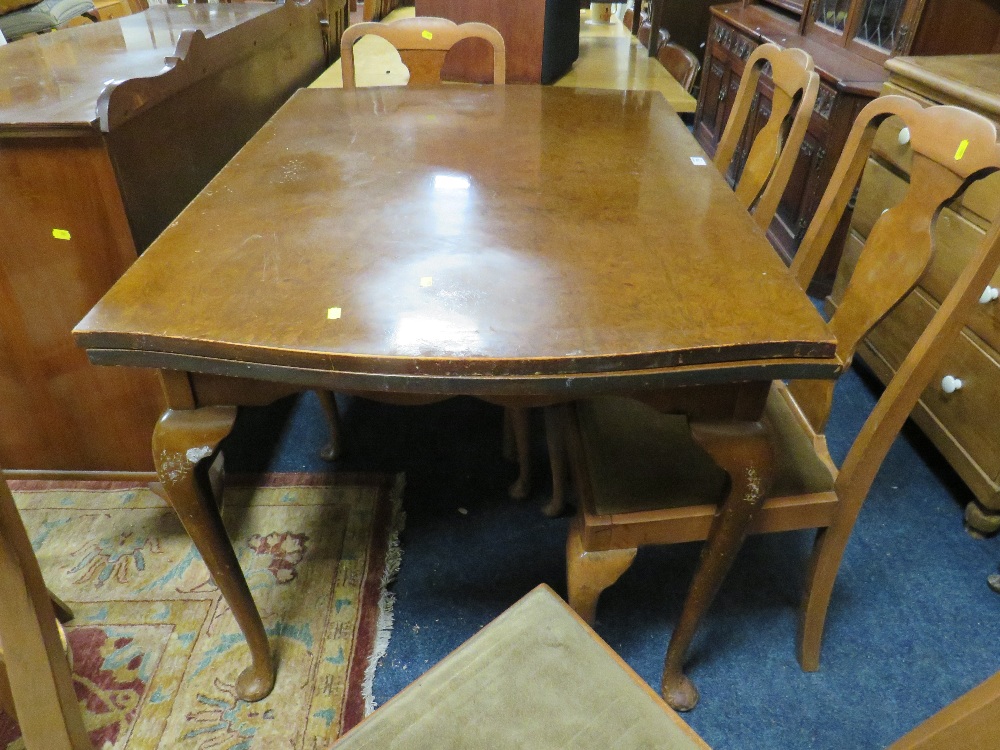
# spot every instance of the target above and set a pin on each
(952, 148)
(900, 246)
(680, 63)
(775, 148)
(422, 43)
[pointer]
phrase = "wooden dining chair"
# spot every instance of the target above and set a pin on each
(645, 30)
(644, 477)
(36, 686)
(535, 677)
(764, 177)
(680, 63)
(775, 148)
(422, 43)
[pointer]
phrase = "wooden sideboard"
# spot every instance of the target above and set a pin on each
(962, 423)
(106, 132)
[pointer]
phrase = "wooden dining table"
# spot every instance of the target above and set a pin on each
(525, 245)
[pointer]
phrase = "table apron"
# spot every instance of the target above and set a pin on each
(556, 388)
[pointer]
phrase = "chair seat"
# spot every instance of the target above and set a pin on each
(641, 463)
(536, 677)
(42, 16)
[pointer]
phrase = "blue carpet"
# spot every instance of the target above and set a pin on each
(912, 624)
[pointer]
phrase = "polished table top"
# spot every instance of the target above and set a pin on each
(465, 239)
(56, 79)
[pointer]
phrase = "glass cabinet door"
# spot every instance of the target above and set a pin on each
(875, 29)
(880, 23)
(832, 14)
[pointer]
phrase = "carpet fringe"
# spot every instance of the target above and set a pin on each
(387, 599)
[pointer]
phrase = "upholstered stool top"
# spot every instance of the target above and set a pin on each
(41, 16)
(536, 677)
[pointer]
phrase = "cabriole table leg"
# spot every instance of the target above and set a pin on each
(182, 440)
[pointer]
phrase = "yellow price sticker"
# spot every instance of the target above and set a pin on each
(60, 234)
(961, 149)
(333, 313)
(427, 35)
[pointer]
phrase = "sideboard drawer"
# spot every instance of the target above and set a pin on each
(880, 189)
(968, 414)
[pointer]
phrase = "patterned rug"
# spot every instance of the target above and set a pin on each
(155, 649)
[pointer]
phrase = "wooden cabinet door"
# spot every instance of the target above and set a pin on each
(710, 116)
(799, 200)
(714, 84)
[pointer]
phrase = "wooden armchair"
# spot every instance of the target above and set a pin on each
(643, 480)
(35, 681)
(422, 43)
(771, 157)
(680, 63)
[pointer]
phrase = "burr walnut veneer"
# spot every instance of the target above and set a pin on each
(522, 244)
(106, 132)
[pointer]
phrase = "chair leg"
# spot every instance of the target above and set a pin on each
(332, 450)
(62, 610)
(589, 573)
(828, 551)
(38, 684)
(6, 697)
(745, 453)
(507, 443)
(520, 420)
(555, 436)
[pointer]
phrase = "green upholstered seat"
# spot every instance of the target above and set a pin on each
(536, 677)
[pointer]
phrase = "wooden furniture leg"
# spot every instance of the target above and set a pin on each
(508, 448)
(182, 440)
(38, 688)
(744, 451)
(520, 421)
(589, 573)
(62, 610)
(6, 697)
(332, 450)
(824, 563)
(555, 436)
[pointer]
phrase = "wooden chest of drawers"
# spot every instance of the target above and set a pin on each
(962, 423)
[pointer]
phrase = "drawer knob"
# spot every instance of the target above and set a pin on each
(990, 293)
(904, 136)
(950, 384)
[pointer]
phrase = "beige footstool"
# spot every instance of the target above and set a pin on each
(536, 678)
